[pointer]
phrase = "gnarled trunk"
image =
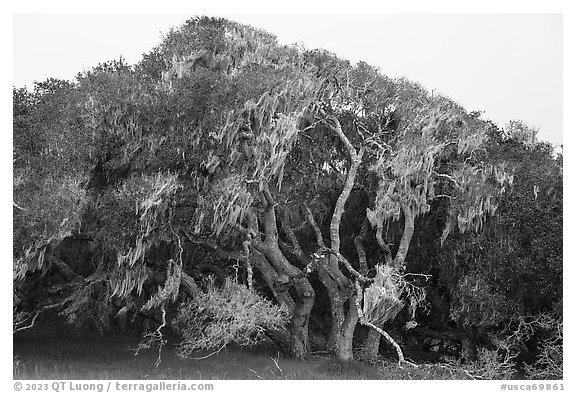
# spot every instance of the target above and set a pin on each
(280, 274)
(344, 348)
(338, 285)
(336, 308)
(299, 305)
(301, 317)
(372, 342)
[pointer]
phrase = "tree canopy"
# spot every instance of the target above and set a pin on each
(328, 201)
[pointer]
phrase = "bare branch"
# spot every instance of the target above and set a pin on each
(30, 325)
(210, 354)
(36, 315)
(364, 322)
(337, 128)
(383, 245)
(315, 227)
(347, 264)
(451, 178)
(156, 337)
(276, 362)
(18, 207)
(360, 247)
(268, 196)
(310, 127)
(246, 248)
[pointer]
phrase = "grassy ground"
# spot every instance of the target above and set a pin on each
(111, 358)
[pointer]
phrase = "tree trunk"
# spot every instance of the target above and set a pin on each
(283, 272)
(336, 309)
(468, 345)
(372, 342)
(362, 318)
(303, 299)
(406, 237)
(383, 245)
(345, 349)
(300, 307)
(272, 279)
(301, 317)
(337, 284)
(371, 345)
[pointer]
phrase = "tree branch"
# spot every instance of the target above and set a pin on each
(344, 195)
(269, 219)
(315, 227)
(356, 159)
(363, 321)
(347, 264)
(188, 285)
(406, 237)
(36, 315)
(383, 245)
(14, 204)
(451, 178)
(253, 231)
(246, 248)
(210, 243)
(67, 272)
(337, 128)
(268, 196)
(294, 247)
(360, 247)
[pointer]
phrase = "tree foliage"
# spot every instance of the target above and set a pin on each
(317, 184)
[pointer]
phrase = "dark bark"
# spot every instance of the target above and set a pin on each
(187, 284)
(383, 245)
(283, 272)
(66, 271)
(467, 343)
(205, 269)
(300, 317)
(272, 279)
(372, 342)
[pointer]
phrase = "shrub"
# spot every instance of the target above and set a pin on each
(549, 363)
(490, 364)
(221, 316)
(494, 364)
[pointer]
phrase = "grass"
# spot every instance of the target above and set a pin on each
(111, 358)
(69, 358)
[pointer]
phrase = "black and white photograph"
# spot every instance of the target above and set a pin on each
(201, 197)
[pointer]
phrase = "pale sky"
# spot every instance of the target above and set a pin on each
(507, 65)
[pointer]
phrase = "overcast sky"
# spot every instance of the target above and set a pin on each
(507, 65)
